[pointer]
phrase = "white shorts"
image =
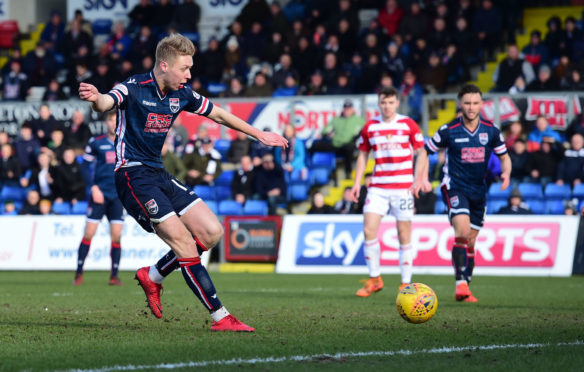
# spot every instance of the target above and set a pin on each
(397, 203)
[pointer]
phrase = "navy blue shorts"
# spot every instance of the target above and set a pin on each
(151, 195)
(112, 208)
(459, 203)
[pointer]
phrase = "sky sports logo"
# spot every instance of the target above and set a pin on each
(330, 244)
(499, 244)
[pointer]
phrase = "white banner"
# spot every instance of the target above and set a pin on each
(116, 10)
(4, 10)
(506, 245)
(51, 243)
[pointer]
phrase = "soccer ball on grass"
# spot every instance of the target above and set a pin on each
(416, 303)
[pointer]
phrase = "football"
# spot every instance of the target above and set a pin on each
(416, 303)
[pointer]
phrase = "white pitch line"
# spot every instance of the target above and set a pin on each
(305, 358)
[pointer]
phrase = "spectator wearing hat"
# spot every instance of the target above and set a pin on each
(516, 205)
(203, 165)
(536, 52)
(545, 81)
(339, 135)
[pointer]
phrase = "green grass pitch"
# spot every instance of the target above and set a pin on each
(303, 322)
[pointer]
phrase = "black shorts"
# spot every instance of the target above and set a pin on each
(460, 203)
(112, 208)
(151, 195)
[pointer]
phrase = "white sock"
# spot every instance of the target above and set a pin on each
(372, 253)
(219, 314)
(154, 275)
(406, 260)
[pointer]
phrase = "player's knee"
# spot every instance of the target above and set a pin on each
(215, 233)
(370, 232)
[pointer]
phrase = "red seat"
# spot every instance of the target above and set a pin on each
(8, 30)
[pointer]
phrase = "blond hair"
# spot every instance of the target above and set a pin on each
(173, 46)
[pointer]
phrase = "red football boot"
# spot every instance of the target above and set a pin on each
(151, 290)
(231, 324)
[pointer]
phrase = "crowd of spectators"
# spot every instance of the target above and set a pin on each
(298, 48)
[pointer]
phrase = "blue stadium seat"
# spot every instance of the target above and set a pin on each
(536, 206)
(298, 192)
(296, 176)
(222, 193)
(14, 193)
(531, 191)
(323, 159)
(222, 145)
(493, 206)
(557, 192)
(79, 208)
(320, 176)
(102, 26)
(554, 206)
(230, 207)
(205, 192)
(212, 205)
(225, 178)
(255, 208)
(440, 207)
(578, 192)
(495, 192)
(62, 208)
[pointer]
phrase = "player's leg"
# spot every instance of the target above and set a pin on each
(402, 208)
(115, 216)
(372, 251)
(116, 251)
(83, 250)
(461, 224)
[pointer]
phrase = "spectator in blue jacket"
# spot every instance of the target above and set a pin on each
(541, 130)
(412, 92)
(293, 158)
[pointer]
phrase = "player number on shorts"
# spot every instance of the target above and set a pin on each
(406, 204)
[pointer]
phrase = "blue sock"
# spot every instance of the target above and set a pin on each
(82, 254)
(200, 283)
(459, 258)
(168, 263)
(116, 254)
(470, 264)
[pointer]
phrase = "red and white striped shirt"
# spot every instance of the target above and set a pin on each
(393, 146)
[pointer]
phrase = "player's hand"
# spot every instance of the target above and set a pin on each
(273, 139)
(88, 92)
(355, 192)
(505, 178)
(97, 195)
(423, 186)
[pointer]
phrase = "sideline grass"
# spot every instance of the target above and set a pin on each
(48, 324)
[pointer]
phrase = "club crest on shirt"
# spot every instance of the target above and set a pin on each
(454, 201)
(483, 138)
(174, 104)
(152, 207)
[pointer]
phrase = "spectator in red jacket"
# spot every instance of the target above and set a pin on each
(390, 16)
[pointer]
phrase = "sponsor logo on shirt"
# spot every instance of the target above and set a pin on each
(146, 103)
(472, 154)
(158, 123)
(461, 140)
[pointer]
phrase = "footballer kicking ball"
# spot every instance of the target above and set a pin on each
(416, 303)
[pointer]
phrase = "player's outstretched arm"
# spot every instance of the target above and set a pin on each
(360, 166)
(505, 170)
(267, 138)
(99, 102)
(421, 174)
